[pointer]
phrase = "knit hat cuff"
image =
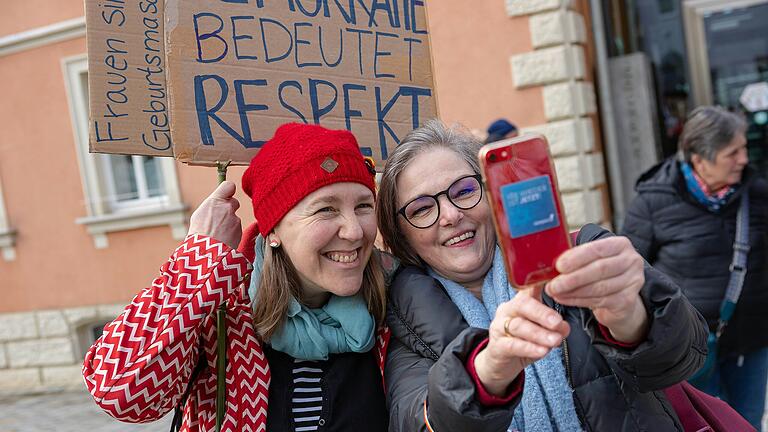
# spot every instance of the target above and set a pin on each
(311, 177)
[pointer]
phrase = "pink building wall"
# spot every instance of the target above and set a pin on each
(57, 265)
(472, 42)
(60, 287)
(22, 15)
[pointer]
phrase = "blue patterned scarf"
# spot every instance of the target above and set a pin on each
(547, 403)
(713, 202)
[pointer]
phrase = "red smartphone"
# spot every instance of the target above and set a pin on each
(521, 184)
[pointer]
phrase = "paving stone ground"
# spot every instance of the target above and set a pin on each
(65, 412)
(76, 412)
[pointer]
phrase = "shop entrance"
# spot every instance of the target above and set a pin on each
(727, 44)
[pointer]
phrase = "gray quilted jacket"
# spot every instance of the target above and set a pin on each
(614, 389)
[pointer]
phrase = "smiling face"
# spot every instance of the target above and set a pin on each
(328, 236)
(728, 165)
(460, 244)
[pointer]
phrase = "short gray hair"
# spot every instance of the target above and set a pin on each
(434, 134)
(708, 130)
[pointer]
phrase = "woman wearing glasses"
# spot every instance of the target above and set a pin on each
(469, 353)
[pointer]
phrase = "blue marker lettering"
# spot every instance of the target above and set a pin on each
(205, 36)
(286, 105)
(236, 37)
(322, 50)
(359, 44)
(244, 108)
(377, 54)
(268, 59)
(298, 42)
(317, 110)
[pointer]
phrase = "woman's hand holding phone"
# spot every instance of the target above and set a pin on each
(605, 276)
(523, 331)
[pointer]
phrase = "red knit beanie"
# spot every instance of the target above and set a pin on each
(297, 161)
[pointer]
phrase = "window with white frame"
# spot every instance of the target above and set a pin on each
(122, 191)
(133, 182)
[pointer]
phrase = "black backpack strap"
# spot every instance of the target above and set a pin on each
(178, 415)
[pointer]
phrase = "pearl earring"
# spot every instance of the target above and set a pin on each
(274, 243)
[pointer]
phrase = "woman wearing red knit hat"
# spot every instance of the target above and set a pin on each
(303, 303)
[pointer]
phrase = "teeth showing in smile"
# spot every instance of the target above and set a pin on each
(460, 238)
(342, 257)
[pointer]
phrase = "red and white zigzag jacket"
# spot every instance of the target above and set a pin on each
(141, 366)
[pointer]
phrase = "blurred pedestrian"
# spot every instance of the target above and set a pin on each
(685, 222)
(499, 130)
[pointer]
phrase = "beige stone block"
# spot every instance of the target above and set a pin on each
(596, 211)
(583, 207)
(567, 137)
(41, 352)
(19, 380)
(3, 357)
(569, 99)
(527, 7)
(110, 312)
(557, 28)
(597, 169)
(579, 172)
(548, 65)
(17, 326)
(52, 323)
(570, 173)
(575, 211)
(80, 315)
(63, 377)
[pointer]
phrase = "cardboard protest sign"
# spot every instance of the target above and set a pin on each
(126, 78)
(237, 69)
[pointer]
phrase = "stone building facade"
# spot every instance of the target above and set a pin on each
(68, 265)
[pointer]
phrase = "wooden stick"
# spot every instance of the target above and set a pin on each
(221, 337)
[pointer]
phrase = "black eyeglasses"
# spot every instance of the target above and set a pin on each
(423, 212)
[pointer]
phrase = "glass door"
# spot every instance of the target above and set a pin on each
(728, 48)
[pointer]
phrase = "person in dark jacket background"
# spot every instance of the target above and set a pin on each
(683, 221)
(469, 353)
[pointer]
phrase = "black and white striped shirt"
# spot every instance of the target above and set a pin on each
(307, 398)
(351, 397)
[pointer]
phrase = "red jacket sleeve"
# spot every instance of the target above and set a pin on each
(139, 368)
(485, 397)
(613, 341)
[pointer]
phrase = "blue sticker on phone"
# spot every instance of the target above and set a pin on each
(529, 206)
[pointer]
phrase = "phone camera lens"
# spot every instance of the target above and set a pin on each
(492, 157)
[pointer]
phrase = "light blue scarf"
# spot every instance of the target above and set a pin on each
(547, 403)
(343, 325)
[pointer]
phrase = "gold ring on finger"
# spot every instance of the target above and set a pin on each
(506, 326)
